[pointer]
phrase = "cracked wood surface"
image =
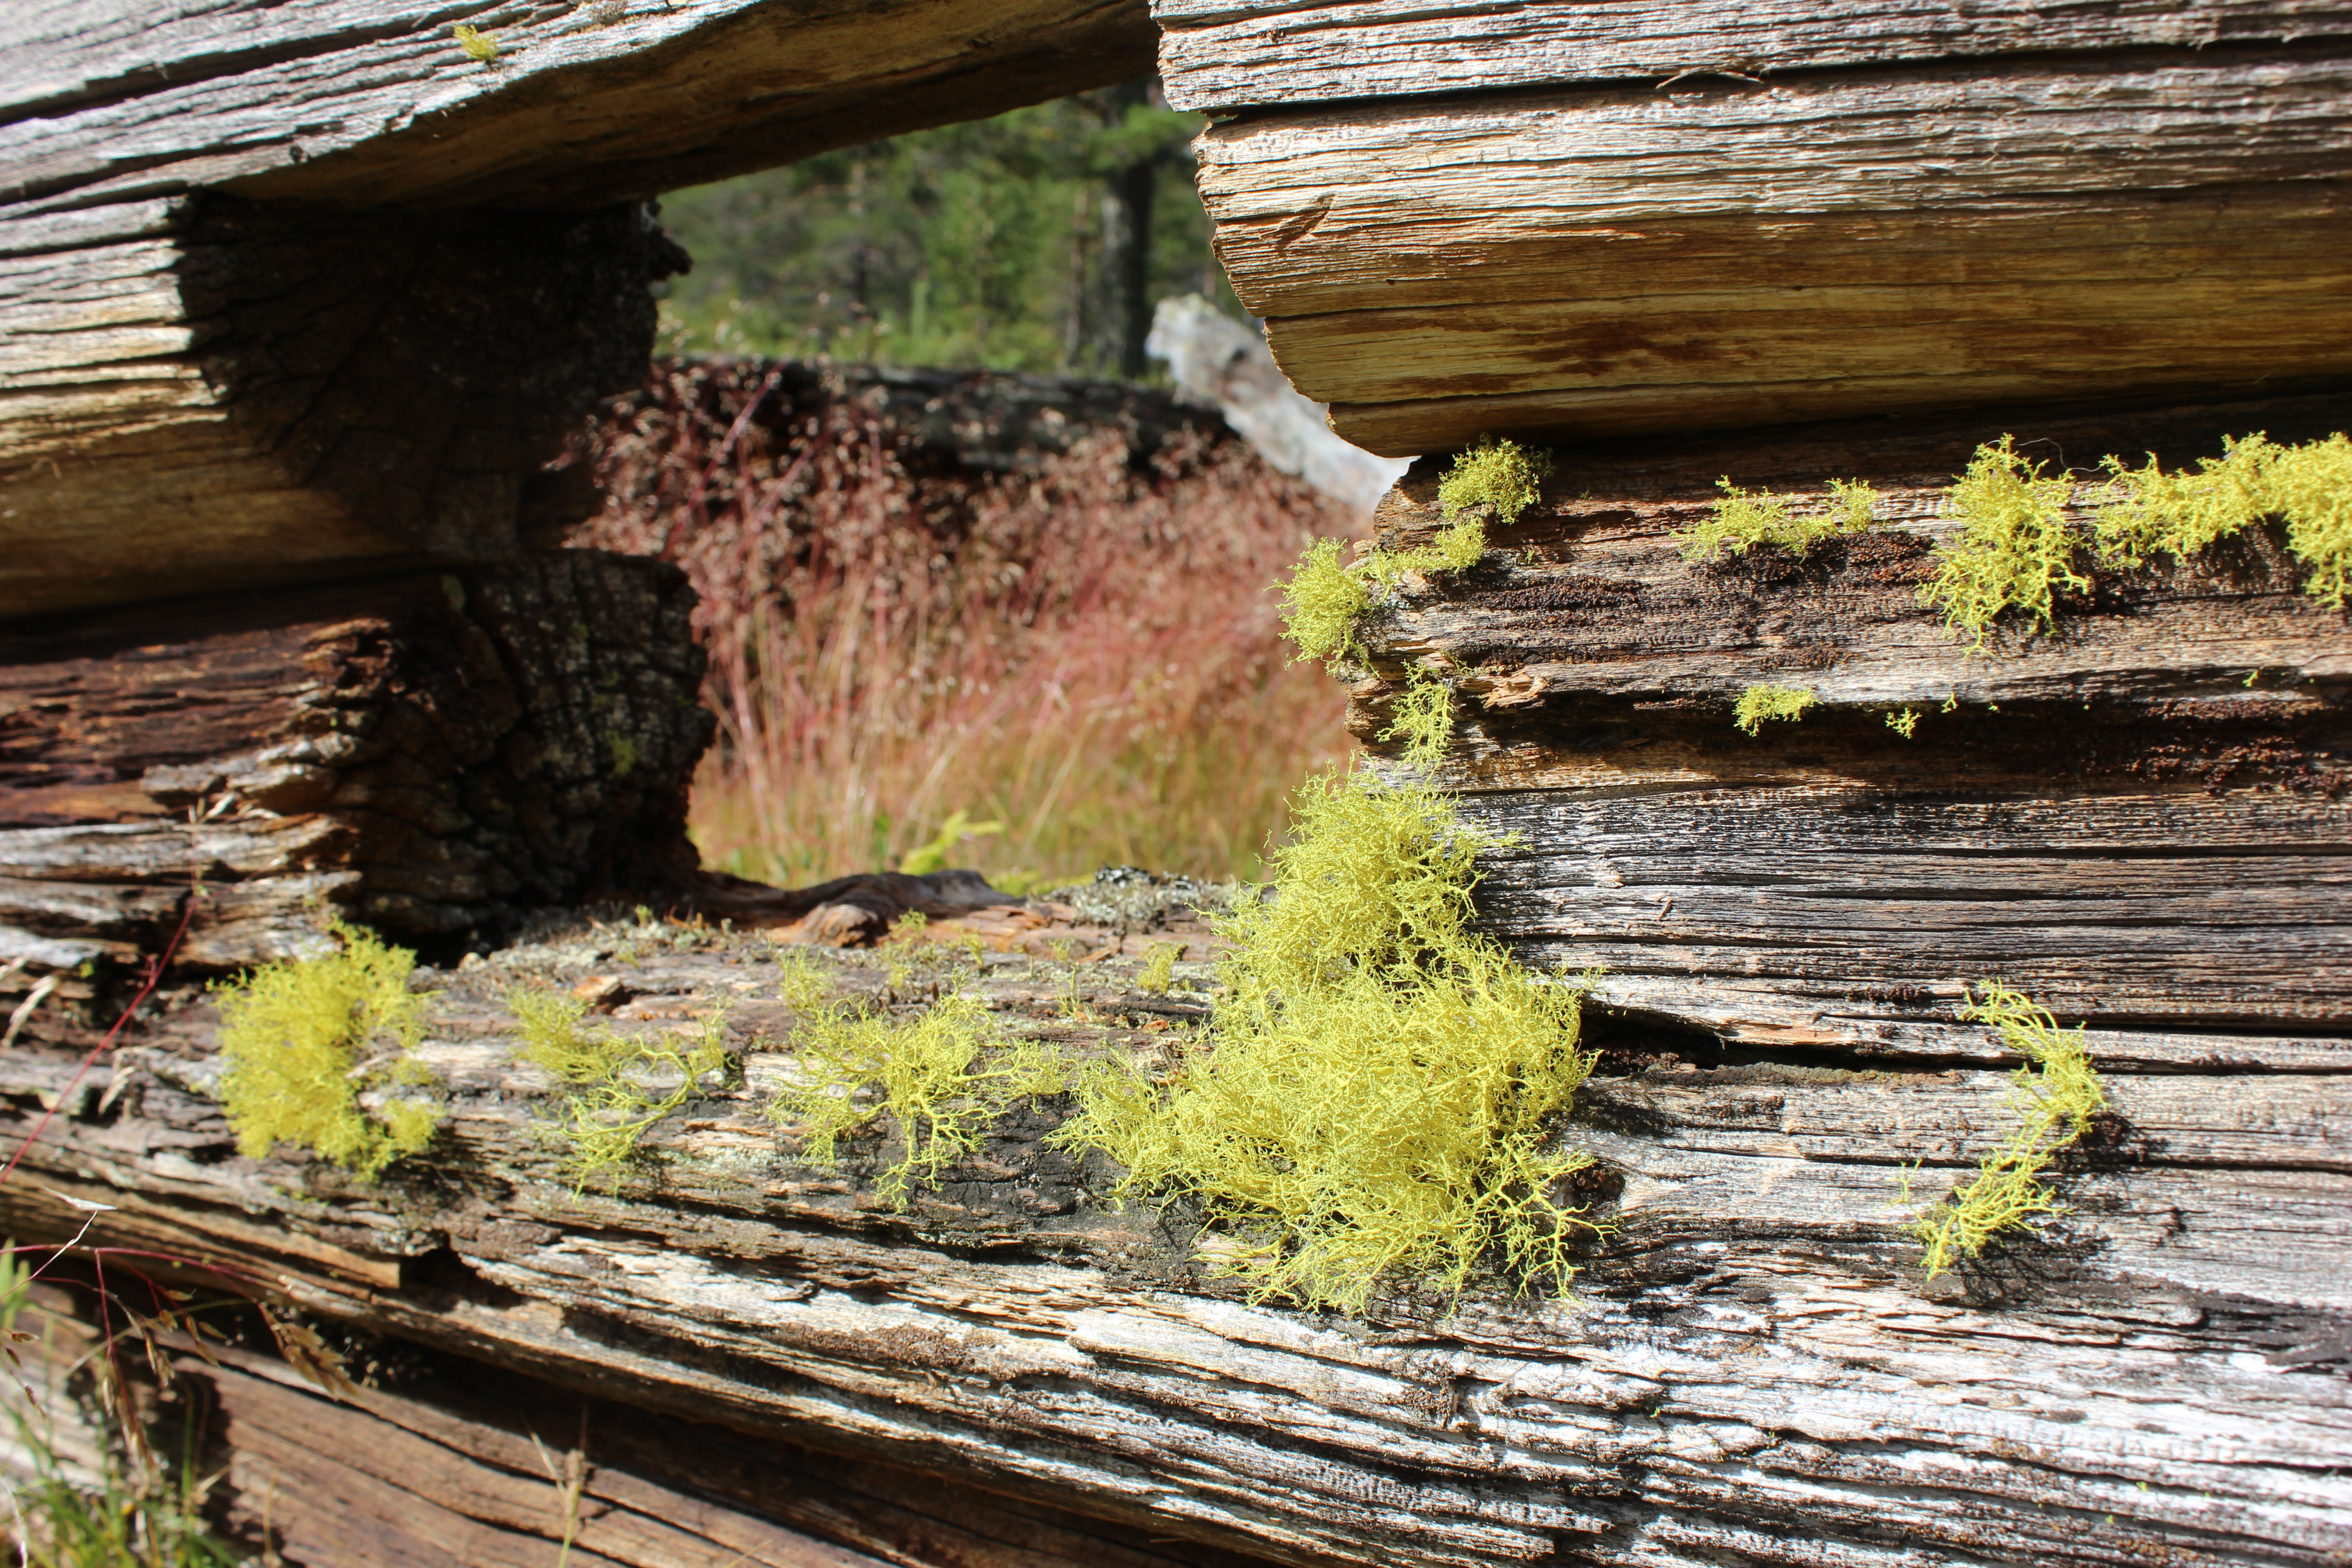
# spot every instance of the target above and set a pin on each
(1755, 1369)
(2140, 819)
(1560, 252)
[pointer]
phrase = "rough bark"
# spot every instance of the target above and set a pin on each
(1756, 1368)
(2140, 819)
(1581, 260)
(429, 753)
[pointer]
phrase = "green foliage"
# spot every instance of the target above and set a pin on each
(1762, 703)
(941, 1074)
(2182, 512)
(1327, 596)
(613, 1105)
(976, 244)
(1503, 475)
(1423, 719)
(304, 1039)
(1745, 519)
(925, 858)
(1381, 1083)
(2015, 548)
(2055, 1095)
(114, 1519)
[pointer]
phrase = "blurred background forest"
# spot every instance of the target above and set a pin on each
(1035, 667)
(1039, 240)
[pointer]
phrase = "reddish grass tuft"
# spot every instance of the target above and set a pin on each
(1080, 647)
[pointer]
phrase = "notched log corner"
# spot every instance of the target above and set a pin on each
(429, 753)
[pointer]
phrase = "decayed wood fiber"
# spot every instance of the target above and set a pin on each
(1754, 1368)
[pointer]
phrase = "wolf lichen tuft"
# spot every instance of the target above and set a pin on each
(2015, 550)
(1423, 719)
(2151, 511)
(1761, 702)
(303, 1040)
(1904, 721)
(1327, 598)
(479, 46)
(613, 1078)
(1380, 1087)
(2055, 1095)
(941, 1075)
(1745, 519)
(1503, 475)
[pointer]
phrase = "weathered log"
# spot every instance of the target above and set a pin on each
(430, 753)
(218, 374)
(1755, 1368)
(1552, 250)
(418, 1460)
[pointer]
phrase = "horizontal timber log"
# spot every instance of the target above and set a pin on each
(1218, 56)
(430, 753)
(2140, 819)
(1568, 261)
(1756, 1368)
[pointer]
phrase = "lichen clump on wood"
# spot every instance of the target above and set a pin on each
(611, 1107)
(2015, 550)
(1502, 474)
(941, 1075)
(1743, 520)
(2055, 1094)
(1328, 596)
(1762, 703)
(2179, 513)
(1379, 1090)
(304, 1040)
(1423, 719)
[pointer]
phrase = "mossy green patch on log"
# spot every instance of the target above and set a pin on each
(612, 1076)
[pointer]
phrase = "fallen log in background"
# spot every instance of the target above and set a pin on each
(1756, 1367)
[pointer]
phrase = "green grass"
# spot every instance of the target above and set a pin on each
(2055, 1095)
(304, 1039)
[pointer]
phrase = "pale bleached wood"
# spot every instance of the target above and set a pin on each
(1218, 56)
(1755, 1367)
(1721, 255)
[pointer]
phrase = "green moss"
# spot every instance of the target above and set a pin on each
(2055, 1094)
(1381, 1083)
(1502, 474)
(1423, 719)
(2149, 512)
(303, 1040)
(610, 1108)
(1745, 519)
(1760, 703)
(2015, 550)
(941, 1075)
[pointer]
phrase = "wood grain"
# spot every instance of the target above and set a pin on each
(1220, 56)
(1720, 254)
(1755, 1367)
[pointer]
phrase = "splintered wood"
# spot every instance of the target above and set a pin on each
(1755, 1366)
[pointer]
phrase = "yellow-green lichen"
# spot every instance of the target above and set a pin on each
(304, 1040)
(1159, 969)
(2015, 550)
(1763, 702)
(2149, 512)
(478, 46)
(618, 1083)
(1381, 1087)
(1502, 474)
(2055, 1094)
(1423, 719)
(1327, 596)
(1745, 519)
(941, 1075)
(1904, 721)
